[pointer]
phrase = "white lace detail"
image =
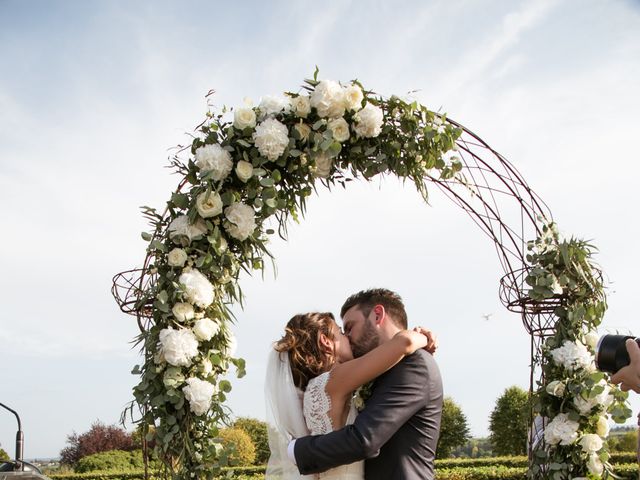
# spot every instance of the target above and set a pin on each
(316, 405)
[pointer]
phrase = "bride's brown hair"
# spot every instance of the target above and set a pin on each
(307, 356)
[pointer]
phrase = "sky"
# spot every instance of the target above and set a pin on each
(93, 96)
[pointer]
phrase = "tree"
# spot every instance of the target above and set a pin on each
(257, 430)
(624, 441)
(4, 455)
(509, 422)
(238, 444)
(99, 438)
(454, 431)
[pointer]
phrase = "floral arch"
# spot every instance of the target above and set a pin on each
(251, 165)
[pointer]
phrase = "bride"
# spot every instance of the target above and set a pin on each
(311, 377)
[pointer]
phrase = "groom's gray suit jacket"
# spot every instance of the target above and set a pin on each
(397, 432)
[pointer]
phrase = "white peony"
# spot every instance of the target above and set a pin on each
(271, 138)
(241, 220)
(328, 99)
(183, 311)
(561, 430)
(178, 346)
(556, 388)
(353, 97)
(182, 232)
(301, 106)
(198, 393)
(369, 121)
(197, 288)
(244, 170)
(273, 104)
(205, 329)
(591, 443)
(244, 117)
(602, 427)
(323, 165)
(594, 464)
(573, 356)
(340, 129)
(177, 257)
(209, 205)
(214, 159)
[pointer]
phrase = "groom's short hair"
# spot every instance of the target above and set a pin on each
(367, 299)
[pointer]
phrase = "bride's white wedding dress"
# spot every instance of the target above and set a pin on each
(316, 406)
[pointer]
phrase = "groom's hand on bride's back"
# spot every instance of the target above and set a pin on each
(432, 340)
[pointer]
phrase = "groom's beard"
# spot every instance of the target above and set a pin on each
(367, 342)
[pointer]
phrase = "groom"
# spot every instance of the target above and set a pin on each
(397, 432)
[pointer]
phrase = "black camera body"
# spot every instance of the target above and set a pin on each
(611, 352)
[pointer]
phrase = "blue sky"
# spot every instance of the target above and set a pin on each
(93, 94)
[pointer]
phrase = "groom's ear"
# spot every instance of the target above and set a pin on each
(380, 314)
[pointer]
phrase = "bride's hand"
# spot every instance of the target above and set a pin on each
(432, 340)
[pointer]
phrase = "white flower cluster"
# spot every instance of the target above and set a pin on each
(197, 289)
(199, 394)
(241, 219)
(214, 159)
(604, 399)
(179, 347)
(182, 232)
(561, 430)
(271, 138)
(573, 356)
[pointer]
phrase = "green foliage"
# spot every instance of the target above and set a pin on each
(473, 448)
(509, 422)
(257, 430)
(118, 460)
(238, 444)
(4, 455)
(624, 442)
(454, 431)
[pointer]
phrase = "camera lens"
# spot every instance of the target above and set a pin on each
(611, 352)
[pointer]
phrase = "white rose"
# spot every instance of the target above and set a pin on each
(241, 220)
(328, 99)
(273, 104)
(271, 138)
(244, 117)
(303, 130)
(594, 464)
(561, 430)
(369, 121)
(323, 165)
(209, 205)
(353, 97)
(198, 393)
(591, 443)
(602, 427)
(301, 106)
(591, 339)
(197, 288)
(182, 232)
(244, 170)
(556, 388)
(205, 329)
(177, 257)
(178, 346)
(183, 311)
(214, 159)
(207, 367)
(340, 129)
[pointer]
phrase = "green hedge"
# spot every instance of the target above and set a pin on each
(625, 472)
(617, 458)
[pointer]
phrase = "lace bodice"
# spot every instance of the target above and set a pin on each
(316, 407)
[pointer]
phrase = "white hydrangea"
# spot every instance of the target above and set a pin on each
(274, 104)
(340, 129)
(241, 220)
(197, 289)
(369, 121)
(244, 117)
(323, 165)
(561, 430)
(182, 232)
(353, 97)
(214, 159)
(183, 311)
(177, 257)
(199, 393)
(209, 205)
(271, 138)
(591, 443)
(205, 329)
(604, 399)
(572, 356)
(328, 98)
(179, 347)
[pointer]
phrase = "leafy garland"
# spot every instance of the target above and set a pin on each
(247, 173)
(575, 400)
